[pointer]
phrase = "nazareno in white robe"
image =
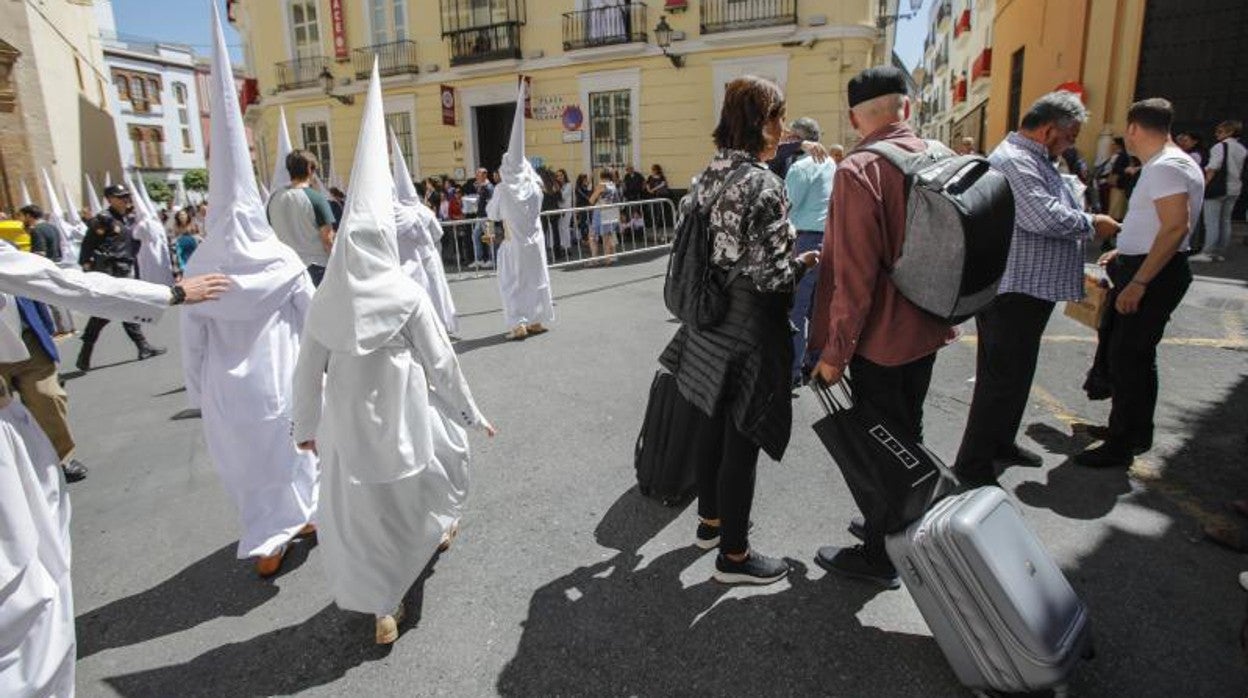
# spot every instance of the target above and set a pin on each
(394, 456)
(418, 234)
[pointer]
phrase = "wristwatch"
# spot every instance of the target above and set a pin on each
(177, 295)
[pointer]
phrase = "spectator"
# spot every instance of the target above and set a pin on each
(1045, 266)
(337, 198)
(551, 194)
(1149, 278)
(1123, 172)
(656, 183)
(565, 219)
(735, 374)
(867, 326)
(45, 239)
(185, 232)
(965, 146)
(581, 193)
(1226, 162)
(481, 254)
(301, 216)
(1192, 144)
(634, 184)
(606, 220)
(837, 152)
(809, 188)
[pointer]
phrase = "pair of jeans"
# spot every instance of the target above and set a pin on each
(1005, 363)
(727, 461)
(803, 299)
(897, 393)
(1218, 224)
(1132, 352)
(478, 247)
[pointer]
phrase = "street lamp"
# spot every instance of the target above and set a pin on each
(663, 37)
(327, 84)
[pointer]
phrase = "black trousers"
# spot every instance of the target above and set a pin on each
(1132, 351)
(97, 324)
(317, 272)
(727, 462)
(897, 393)
(1005, 363)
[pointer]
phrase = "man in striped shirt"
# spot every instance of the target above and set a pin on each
(1045, 266)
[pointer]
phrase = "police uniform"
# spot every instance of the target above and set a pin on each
(111, 248)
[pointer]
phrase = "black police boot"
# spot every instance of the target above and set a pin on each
(147, 351)
(84, 357)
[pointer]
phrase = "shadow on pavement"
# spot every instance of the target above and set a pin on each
(218, 585)
(464, 346)
(316, 652)
(611, 629)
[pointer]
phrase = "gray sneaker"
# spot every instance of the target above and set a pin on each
(754, 569)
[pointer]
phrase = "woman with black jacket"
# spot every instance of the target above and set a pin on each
(736, 374)
(582, 192)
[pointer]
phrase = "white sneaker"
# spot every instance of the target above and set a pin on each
(1202, 257)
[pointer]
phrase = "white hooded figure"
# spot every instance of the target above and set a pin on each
(56, 216)
(26, 200)
(281, 177)
(154, 260)
(93, 197)
(419, 233)
(523, 279)
(77, 226)
(380, 395)
(239, 353)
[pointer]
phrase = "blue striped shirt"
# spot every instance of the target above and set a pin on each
(1050, 227)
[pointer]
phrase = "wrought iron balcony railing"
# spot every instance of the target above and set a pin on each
(393, 58)
(605, 26)
(300, 73)
(482, 31)
(734, 15)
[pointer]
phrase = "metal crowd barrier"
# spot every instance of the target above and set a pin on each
(573, 236)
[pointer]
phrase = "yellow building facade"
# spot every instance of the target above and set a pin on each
(602, 90)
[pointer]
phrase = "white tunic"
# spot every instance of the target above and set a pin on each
(238, 373)
(418, 234)
(393, 452)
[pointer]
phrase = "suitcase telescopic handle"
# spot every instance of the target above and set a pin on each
(833, 398)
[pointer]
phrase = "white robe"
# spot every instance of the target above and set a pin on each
(389, 426)
(418, 234)
(239, 372)
(523, 279)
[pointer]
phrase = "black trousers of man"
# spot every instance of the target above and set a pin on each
(1132, 353)
(897, 393)
(97, 324)
(1009, 330)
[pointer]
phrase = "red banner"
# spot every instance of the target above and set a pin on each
(448, 105)
(528, 94)
(338, 19)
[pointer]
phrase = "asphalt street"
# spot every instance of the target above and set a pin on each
(564, 581)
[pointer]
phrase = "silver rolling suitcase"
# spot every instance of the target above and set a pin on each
(997, 604)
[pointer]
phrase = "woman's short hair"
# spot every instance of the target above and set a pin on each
(749, 104)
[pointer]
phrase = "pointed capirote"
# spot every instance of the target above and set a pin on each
(515, 147)
(403, 185)
(141, 211)
(365, 298)
(71, 210)
(180, 199)
(92, 197)
(54, 205)
(239, 241)
(26, 200)
(108, 179)
(281, 177)
(143, 194)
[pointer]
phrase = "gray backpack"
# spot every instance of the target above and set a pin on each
(959, 224)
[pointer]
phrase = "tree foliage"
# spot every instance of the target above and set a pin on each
(196, 180)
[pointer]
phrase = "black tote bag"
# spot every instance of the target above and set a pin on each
(893, 478)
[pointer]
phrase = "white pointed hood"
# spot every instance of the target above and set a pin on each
(180, 199)
(26, 200)
(154, 261)
(281, 178)
(71, 211)
(143, 205)
(365, 298)
(55, 213)
(239, 240)
(108, 179)
(517, 199)
(403, 185)
(92, 198)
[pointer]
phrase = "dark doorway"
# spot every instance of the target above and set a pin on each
(493, 133)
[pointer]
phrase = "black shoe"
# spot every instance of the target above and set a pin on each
(84, 357)
(853, 562)
(707, 537)
(1014, 454)
(148, 351)
(858, 528)
(755, 569)
(74, 470)
(1101, 433)
(1107, 455)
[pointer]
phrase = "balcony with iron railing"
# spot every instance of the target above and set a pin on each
(982, 67)
(393, 58)
(300, 73)
(605, 26)
(480, 32)
(735, 15)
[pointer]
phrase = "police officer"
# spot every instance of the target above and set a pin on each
(110, 248)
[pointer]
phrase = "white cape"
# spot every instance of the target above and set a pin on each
(418, 231)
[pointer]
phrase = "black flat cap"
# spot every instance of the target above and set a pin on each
(876, 82)
(120, 191)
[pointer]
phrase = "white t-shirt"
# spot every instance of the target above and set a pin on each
(1168, 173)
(1235, 155)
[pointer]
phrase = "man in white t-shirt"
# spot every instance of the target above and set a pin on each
(1229, 155)
(1150, 277)
(302, 217)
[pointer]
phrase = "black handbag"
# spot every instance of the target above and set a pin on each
(1216, 188)
(894, 479)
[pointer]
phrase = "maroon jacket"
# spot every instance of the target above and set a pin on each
(858, 310)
